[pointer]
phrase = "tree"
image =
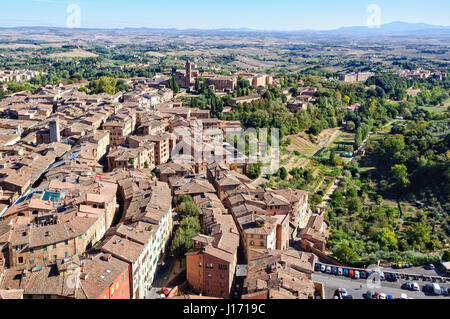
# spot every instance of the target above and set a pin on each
(105, 84)
(283, 173)
(316, 199)
(418, 233)
(354, 205)
(400, 175)
(182, 242)
(446, 255)
(187, 209)
(358, 138)
(254, 170)
(387, 239)
(335, 159)
(392, 146)
(172, 84)
(345, 253)
(184, 198)
(191, 224)
(350, 126)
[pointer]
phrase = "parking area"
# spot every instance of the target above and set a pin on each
(333, 278)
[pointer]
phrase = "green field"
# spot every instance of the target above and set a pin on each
(437, 108)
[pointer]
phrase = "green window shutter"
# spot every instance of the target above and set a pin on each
(31, 261)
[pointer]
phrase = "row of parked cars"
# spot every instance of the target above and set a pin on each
(436, 289)
(355, 274)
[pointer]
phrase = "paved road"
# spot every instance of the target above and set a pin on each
(331, 283)
(416, 271)
(161, 278)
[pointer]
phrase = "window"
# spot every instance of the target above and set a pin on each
(252, 243)
(79, 237)
(54, 257)
(20, 260)
(223, 267)
(45, 258)
(261, 237)
(261, 243)
(66, 254)
(44, 249)
(66, 242)
(123, 278)
(117, 286)
(31, 261)
(199, 264)
(31, 251)
(54, 245)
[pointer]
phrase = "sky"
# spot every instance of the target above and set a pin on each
(215, 14)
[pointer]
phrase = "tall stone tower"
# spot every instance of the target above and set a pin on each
(55, 131)
(189, 71)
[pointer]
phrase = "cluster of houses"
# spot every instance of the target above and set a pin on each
(89, 184)
(17, 75)
(420, 73)
(221, 83)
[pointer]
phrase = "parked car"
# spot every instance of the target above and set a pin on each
(394, 277)
(383, 296)
(431, 267)
(340, 271)
(415, 286)
(346, 272)
(408, 285)
(334, 270)
(389, 297)
(165, 291)
(437, 289)
(343, 292)
(382, 277)
(404, 296)
(444, 291)
(357, 276)
(317, 267)
(428, 288)
(323, 268)
(369, 294)
(329, 269)
(351, 273)
(363, 274)
(388, 276)
(376, 295)
(348, 297)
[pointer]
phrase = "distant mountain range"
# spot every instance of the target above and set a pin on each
(393, 28)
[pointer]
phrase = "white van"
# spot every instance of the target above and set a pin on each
(437, 289)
